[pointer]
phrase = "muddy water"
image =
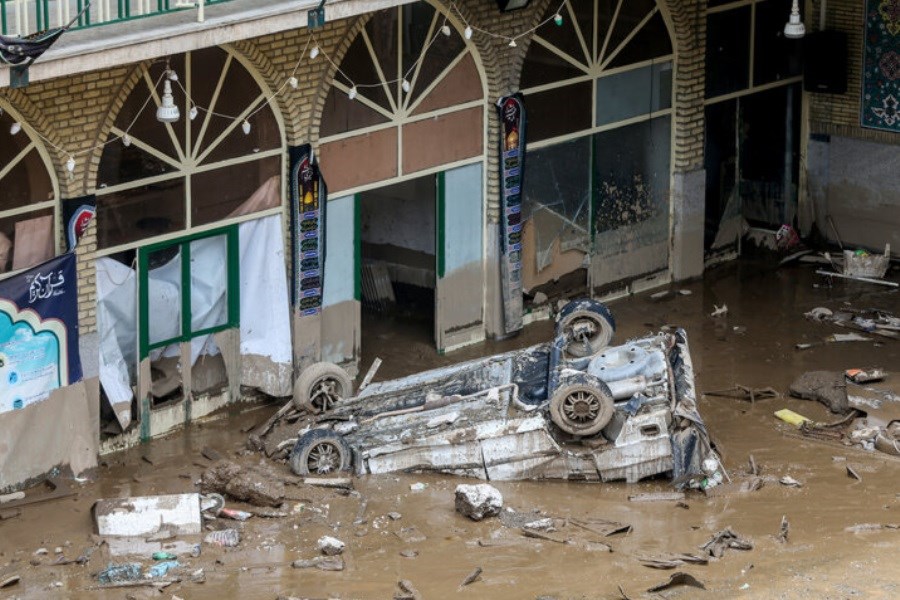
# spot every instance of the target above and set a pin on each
(820, 559)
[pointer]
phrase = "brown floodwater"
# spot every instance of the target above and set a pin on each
(753, 345)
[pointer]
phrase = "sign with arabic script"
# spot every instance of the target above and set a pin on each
(38, 333)
(308, 203)
(511, 111)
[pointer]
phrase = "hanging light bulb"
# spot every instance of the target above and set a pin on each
(557, 18)
(15, 128)
(126, 140)
(405, 85)
(314, 52)
(192, 114)
(167, 111)
(352, 93)
(512, 43)
(246, 127)
(293, 82)
(446, 30)
(70, 164)
(468, 32)
(794, 28)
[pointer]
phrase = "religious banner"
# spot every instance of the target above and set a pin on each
(881, 66)
(38, 333)
(77, 215)
(308, 199)
(511, 110)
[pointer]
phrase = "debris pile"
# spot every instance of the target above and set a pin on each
(254, 485)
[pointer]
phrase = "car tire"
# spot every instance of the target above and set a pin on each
(582, 405)
(588, 324)
(320, 387)
(320, 452)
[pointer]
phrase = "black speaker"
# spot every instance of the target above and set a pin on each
(825, 62)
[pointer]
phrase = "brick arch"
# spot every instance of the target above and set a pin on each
(115, 105)
(48, 142)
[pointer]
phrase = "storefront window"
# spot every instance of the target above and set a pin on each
(27, 197)
(160, 178)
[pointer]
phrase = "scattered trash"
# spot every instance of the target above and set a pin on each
(864, 375)
(9, 581)
(742, 392)
(114, 573)
(678, 579)
(161, 569)
(848, 337)
(862, 264)
(472, 577)
(719, 311)
(330, 482)
(746, 586)
(164, 556)
(228, 538)
(198, 576)
(857, 278)
(783, 532)
(657, 497)
(865, 527)
(407, 591)
(478, 501)
(330, 546)
(753, 468)
(41, 552)
(670, 561)
(790, 481)
(851, 472)
(724, 540)
(790, 417)
(394, 516)
(409, 553)
(235, 515)
(323, 563)
(418, 487)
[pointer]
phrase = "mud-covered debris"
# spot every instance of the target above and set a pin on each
(268, 513)
(323, 563)
(418, 486)
(235, 515)
(162, 568)
(478, 501)
(543, 524)
(329, 482)
(827, 387)
(789, 481)
(622, 594)
(752, 467)
(410, 535)
(227, 538)
(9, 581)
(851, 472)
(670, 561)
(725, 540)
(394, 516)
(407, 591)
(782, 536)
(217, 476)
(657, 497)
(330, 546)
(256, 487)
(472, 577)
(118, 572)
(719, 311)
(409, 553)
(678, 579)
(743, 392)
(601, 526)
(539, 535)
(864, 527)
(198, 576)
(211, 454)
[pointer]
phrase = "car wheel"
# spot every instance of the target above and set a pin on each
(320, 387)
(582, 405)
(588, 325)
(320, 452)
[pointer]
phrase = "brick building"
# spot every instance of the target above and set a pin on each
(656, 129)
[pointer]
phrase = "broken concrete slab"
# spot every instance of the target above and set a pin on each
(146, 515)
(478, 501)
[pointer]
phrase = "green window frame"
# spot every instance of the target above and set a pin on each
(184, 244)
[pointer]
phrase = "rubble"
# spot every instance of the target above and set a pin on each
(827, 387)
(256, 487)
(216, 477)
(724, 540)
(330, 546)
(478, 501)
(323, 563)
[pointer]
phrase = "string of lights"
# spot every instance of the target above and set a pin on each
(168, 111)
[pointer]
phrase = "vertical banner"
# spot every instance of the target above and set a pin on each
(881, 66)
(511, 110)
(38, 333)
(77, 215)
(309, 196)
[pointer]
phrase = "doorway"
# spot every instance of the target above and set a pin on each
(398, 241)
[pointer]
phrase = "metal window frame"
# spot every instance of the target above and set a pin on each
(232, 288)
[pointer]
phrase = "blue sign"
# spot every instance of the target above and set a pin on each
(38, 333)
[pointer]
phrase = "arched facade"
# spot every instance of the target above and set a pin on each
(156, 180)
(29, 204)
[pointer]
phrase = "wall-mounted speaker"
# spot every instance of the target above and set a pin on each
(825, 62)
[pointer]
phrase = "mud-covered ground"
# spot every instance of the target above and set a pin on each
(753, 346)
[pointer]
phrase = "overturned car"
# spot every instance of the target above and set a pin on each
(575, 408)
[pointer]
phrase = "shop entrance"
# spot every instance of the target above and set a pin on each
(397, 244)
